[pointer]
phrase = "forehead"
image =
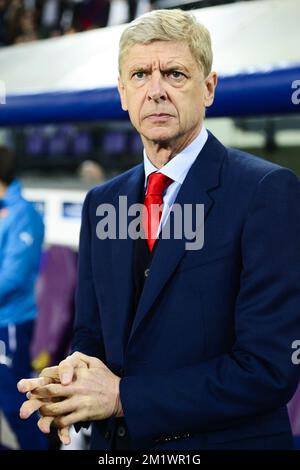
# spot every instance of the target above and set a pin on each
(164, 52)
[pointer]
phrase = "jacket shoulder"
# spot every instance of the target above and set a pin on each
(110, 188)
(249, 167)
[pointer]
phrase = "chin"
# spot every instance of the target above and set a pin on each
(159, 135)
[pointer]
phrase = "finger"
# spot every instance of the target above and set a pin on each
(35, 395)
(29, 407)
(64, 435)
(90, 361)
(66, 371)
(66, 421)
(63, 407)
(79, 359)
(67, 367)
(51, 372)
(53, 391)
(44, 423)
(27, 385)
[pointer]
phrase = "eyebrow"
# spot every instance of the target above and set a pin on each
(138, 68)
(167, 68)
(173, 64)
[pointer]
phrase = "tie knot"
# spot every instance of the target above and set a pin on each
(157, 183)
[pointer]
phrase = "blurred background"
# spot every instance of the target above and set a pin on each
(60, 114)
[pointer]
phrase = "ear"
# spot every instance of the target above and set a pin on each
(210, 86)
(122, 93)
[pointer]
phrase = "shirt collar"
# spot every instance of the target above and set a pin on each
(12, 194)
(178, 167)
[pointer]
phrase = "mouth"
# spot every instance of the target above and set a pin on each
(159, 117)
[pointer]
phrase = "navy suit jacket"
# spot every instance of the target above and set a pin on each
(207, 362)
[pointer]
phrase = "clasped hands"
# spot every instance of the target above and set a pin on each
(80, 388)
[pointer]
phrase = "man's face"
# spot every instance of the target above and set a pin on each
(164, 91)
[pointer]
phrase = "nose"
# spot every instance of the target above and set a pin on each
(156, 90)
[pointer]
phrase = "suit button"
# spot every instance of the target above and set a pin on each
(147, 272)
(107, 435)
(121, 431)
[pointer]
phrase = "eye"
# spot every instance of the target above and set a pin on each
(176, 74)
(139, 75)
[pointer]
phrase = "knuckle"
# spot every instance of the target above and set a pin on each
(50, 389)
(56, 389)
(43, 411)
(60, 422)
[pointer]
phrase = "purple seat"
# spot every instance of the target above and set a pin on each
(114, 142)
(294, 412)
(55, 301)
(58, 144)
(82, 144)
(35, 142)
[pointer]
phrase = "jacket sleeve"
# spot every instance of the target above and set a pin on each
(87, 326)
(257, 375)
(20, 257)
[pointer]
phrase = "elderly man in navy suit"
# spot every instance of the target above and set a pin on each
(177, 347)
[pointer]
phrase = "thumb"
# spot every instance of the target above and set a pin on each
(66, 368)
(66, 372)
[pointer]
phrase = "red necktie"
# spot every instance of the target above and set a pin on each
(153, 205)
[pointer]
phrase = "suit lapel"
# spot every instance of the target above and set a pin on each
(203, 176)
(122, 258)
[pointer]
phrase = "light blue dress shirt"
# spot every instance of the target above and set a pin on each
(176, 169)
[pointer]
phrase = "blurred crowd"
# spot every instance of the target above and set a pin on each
(29, 20)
